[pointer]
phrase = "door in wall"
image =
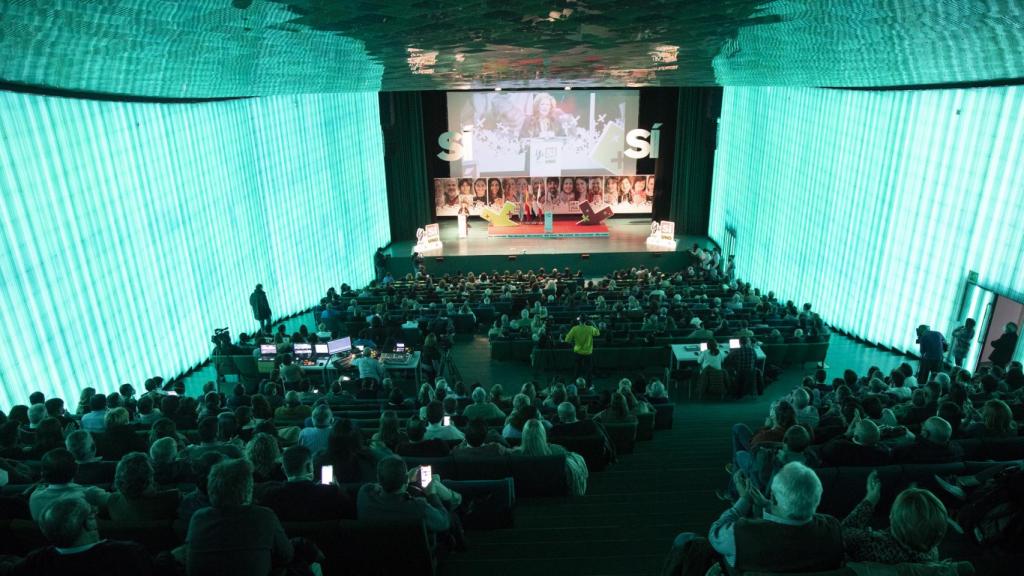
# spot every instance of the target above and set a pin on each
(977, 304)
(1005, 312)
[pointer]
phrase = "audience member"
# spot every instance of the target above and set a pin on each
(232, 536)
(57, 471)
(300, 499)
(69, 524)
(136, 498)
(917, 523)
(314, 437)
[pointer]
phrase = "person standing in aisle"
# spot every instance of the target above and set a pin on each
(581, 336)
(962, 336)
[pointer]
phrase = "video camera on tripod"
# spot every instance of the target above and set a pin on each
(221, 337)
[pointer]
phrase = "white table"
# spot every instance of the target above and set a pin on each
(686, 355)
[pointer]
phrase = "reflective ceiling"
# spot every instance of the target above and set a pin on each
(219, 48)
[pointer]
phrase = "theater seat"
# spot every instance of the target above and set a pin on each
(363, 547)
(664, 415)
(645, 426)
(623, 435)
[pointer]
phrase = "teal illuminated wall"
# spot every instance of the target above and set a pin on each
(130, 231)
(873, 205)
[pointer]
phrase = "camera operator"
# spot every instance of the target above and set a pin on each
(581, 336)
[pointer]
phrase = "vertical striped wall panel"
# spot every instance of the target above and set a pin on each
(130, 231)
(873, 205)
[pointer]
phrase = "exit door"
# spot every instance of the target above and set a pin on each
(991, 311)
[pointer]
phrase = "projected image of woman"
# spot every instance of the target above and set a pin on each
(640, 191)
(625, 189)
(480, 192)
(650, 187)
(580, 192)
(510, 190)
(494, 193)
(565, 197)
(611, 190)
(466, 190)
(543, 122)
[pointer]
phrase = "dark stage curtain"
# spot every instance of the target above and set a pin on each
(409, 206)
(696, 133)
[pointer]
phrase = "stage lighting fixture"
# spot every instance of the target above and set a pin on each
(512, 257)
(439, 259)
(498, 89)
(584, 256)
(568, 88)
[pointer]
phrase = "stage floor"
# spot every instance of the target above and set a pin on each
(624, 235)
(559, 229)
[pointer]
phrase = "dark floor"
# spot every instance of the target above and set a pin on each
(632, 510)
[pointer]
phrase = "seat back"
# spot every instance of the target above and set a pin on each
(645, 426)
(712, 381)
(664, 415)
(623, 435)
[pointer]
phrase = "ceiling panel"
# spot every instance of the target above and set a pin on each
(217, 48)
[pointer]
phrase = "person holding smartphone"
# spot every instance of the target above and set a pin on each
(391, 498)
(439, 426)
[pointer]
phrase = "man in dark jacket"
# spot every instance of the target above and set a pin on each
(260, 308)
(932, 445)
(302, 500)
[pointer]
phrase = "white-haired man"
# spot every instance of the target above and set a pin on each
(788, 536)
(69, 524)
(315, 437)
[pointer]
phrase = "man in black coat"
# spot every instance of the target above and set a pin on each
(260, 308)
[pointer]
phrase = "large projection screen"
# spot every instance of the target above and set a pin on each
(558, 148)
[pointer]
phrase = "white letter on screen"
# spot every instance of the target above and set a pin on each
(450, 141)
(640, 147)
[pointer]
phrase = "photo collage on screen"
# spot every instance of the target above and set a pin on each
(558, 195)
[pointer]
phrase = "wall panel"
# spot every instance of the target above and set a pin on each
(130, 231)
(873, 205)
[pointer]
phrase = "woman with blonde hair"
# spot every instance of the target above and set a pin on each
(996, 422)
(917, 524)
(535, 443)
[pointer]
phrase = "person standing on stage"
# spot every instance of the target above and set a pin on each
(464, 211)
(581, 336)
(260, 308)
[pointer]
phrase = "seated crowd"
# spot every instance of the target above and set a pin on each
(226, 469)
(875, 420)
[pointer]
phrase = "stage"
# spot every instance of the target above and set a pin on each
(625, 245)
(559, 229)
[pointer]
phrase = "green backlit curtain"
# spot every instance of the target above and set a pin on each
(130, 231)
(405, 163)
(695, 151)
(873, 205)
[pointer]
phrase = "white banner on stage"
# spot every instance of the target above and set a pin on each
(663, 234)
(428, 238)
